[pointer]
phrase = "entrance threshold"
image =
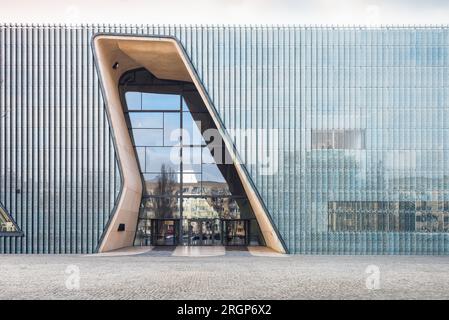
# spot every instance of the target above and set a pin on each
(199, 251)
(191, 251)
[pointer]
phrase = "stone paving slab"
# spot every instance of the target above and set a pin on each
(223, 277)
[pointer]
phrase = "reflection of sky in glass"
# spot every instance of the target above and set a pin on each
(146, 120)
(141, 157)
(158, 156)
(191, 158)
(191, 132)
(155, 147)
(158, 101)
(185, 106)
(189, 177)
(151, 177)
(133, 100)
(148, 137)
(172, 124)
(210, 169)
(212, 173)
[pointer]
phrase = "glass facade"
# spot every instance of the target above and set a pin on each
(192, 196)
(360, 115)
(59, 177)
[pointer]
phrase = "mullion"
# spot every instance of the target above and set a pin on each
(181, 179)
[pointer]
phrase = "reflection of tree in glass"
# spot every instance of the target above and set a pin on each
(166, 182)
(217, 204)
(165, 206)
(228, 208)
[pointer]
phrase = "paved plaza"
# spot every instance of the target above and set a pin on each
(217, 273)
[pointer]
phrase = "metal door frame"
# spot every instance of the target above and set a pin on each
(247, 223)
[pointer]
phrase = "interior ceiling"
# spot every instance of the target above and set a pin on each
(160, 58)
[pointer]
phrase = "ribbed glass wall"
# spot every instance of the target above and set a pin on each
(360, 115)
(59, 178)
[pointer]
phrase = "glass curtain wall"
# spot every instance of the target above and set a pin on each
(192, 196)
(7, 225)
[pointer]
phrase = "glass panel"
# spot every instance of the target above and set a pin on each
(199, 208)
(192, 102)
(191, 184)
(162, 184)
(216, 228)
(383, 216)
(143, 234)
(133, 100)
(158, 157)
(185, 106)
(165, 232)
(231, 208)
(146, 120)
(214, 182)
(148, 137)
(191, 159)
(338, 139)
(207, 184)
(141, 157)
(161, 208)
(192, 130)
(235, 232)
(195, 233)
(216, 207)
(159, 101)
(254, 235)
(172, 125)
(209, 229)
(185, 232)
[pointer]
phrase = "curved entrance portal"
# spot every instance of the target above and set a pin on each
(192, 194)
(183, 183)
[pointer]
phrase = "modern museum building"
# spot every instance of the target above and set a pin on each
(307, 140)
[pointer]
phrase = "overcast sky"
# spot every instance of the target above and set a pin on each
(227, 11)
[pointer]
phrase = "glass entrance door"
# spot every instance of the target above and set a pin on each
(165, 232)
(204, 232)
(236, 232)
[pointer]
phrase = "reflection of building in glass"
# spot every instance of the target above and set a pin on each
(187, 185)
(371, 216)
(402, 216)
